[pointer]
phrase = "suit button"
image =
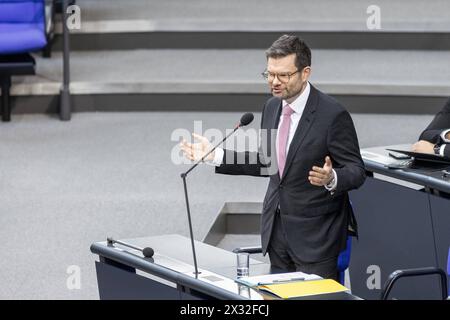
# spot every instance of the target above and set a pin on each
(281, 186)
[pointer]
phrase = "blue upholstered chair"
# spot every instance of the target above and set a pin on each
(22, 26)
(22, 30)
(344, 260)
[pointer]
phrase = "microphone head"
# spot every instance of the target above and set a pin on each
(246, 119)
(148, 252)
(109, 241)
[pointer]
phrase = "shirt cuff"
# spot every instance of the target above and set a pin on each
(218, 158)
(443, 134)
(333, 183)
(441, 149)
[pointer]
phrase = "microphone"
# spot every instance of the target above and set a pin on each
(246, 119)
(147, 251)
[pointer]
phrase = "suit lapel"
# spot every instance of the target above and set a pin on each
(273, 139)
(302, 129)
(276, 119)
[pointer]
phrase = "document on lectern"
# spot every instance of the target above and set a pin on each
(295, 289)
(277, 278)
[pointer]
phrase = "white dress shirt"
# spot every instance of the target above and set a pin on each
(298, 105)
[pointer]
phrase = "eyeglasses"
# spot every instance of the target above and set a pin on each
(282, 77)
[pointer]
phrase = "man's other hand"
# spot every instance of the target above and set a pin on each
(423, 146)
(321, 176)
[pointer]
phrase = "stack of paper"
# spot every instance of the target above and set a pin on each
(276, 278)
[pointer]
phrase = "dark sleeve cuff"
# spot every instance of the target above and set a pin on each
(432, 136)
(447, 151)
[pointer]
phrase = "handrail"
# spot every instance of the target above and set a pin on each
(396, 275)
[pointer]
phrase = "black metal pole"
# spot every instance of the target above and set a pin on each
(183, 176)
(188, 209)
(6, 107)
(65, 103)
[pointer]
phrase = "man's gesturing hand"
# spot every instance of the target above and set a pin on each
(321, 176)
(195, 151)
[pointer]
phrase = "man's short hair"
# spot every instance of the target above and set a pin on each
(289, 44)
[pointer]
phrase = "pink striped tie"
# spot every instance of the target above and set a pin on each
(283, 136)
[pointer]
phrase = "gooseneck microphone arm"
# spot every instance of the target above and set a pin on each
(147, 251)
(183, 176)
(245, 120)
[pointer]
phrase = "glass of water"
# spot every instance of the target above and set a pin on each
(243, 262)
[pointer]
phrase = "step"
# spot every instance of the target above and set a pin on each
(260, 15)
(213, 74)
(342, 72)
(237, 225)
(256, 23)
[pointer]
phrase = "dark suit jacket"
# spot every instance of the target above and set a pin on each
(440, 123)
(316, 221)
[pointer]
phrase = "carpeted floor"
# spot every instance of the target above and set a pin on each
(66, 185)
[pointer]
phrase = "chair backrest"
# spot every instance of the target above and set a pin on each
(22, 26)
(22, 11)
(344, 255)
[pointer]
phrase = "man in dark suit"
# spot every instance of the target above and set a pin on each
(306, 211)
(436, 137)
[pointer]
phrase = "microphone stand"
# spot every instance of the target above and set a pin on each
(188, 209)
